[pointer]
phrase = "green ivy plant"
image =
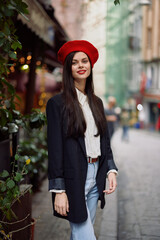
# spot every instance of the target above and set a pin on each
(36, 119)
(8, 40)
(10, 118)
(116, 2)
(9, 188)
(10, 192)
(9, 44)
(35, 146)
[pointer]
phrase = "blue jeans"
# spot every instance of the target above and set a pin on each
(125, 133)
(85, 230)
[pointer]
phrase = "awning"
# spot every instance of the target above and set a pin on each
(39, 22)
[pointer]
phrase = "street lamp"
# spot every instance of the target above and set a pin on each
(145, 2)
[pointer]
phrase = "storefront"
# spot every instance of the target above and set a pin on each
(41, 36)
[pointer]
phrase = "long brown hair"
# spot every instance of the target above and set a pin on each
(72, 112)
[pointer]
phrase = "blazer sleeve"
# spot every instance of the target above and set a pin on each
(55, 146)
(111, 163)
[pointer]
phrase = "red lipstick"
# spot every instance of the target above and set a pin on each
(81, 71)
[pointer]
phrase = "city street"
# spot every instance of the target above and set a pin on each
(138, 194)
(138, 185)
(56, 56)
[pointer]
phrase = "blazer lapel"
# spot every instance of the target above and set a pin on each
(103, 146)
(103, 149)
(82, 144)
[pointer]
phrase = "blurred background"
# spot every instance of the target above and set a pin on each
(126, 35)
(126, 78)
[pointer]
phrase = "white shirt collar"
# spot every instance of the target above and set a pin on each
(81, 97)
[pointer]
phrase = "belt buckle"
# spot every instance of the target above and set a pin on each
(90, 160)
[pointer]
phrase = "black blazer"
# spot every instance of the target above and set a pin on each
(67, 162)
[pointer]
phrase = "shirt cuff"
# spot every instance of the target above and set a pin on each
(57, 184)
(56, 191)
(113, 171)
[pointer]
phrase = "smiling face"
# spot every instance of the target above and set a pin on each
(81, 67)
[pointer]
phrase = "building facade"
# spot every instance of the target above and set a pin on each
(117, 76)
(69, 14)
(133, 54)
(151, 61)
(94, 30)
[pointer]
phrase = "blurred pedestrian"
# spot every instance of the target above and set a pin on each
(158, 119)
(125, 124)
(111, 116)
(141, 117)
(80, 156)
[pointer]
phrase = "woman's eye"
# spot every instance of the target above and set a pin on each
(83, 61)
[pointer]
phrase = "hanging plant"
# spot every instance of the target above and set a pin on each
(116, 2)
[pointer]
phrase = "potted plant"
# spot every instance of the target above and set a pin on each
(34, 145)
(15, 203)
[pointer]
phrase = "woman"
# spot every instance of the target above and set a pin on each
(79, 150)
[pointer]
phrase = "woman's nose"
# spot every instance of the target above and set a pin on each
(80, 64)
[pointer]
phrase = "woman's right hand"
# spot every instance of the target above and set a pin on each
(61, 203)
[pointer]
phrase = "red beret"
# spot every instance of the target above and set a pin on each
(79, 46)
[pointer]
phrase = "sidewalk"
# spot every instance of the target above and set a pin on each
(108, 228)
(138, 185)
(136, 215)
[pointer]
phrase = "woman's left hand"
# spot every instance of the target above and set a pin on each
(112, 183)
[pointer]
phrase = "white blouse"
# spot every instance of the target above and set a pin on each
(92, 143)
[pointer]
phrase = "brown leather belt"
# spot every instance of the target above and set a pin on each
(92, 160)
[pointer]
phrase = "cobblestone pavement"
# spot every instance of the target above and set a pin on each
(138, 185)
